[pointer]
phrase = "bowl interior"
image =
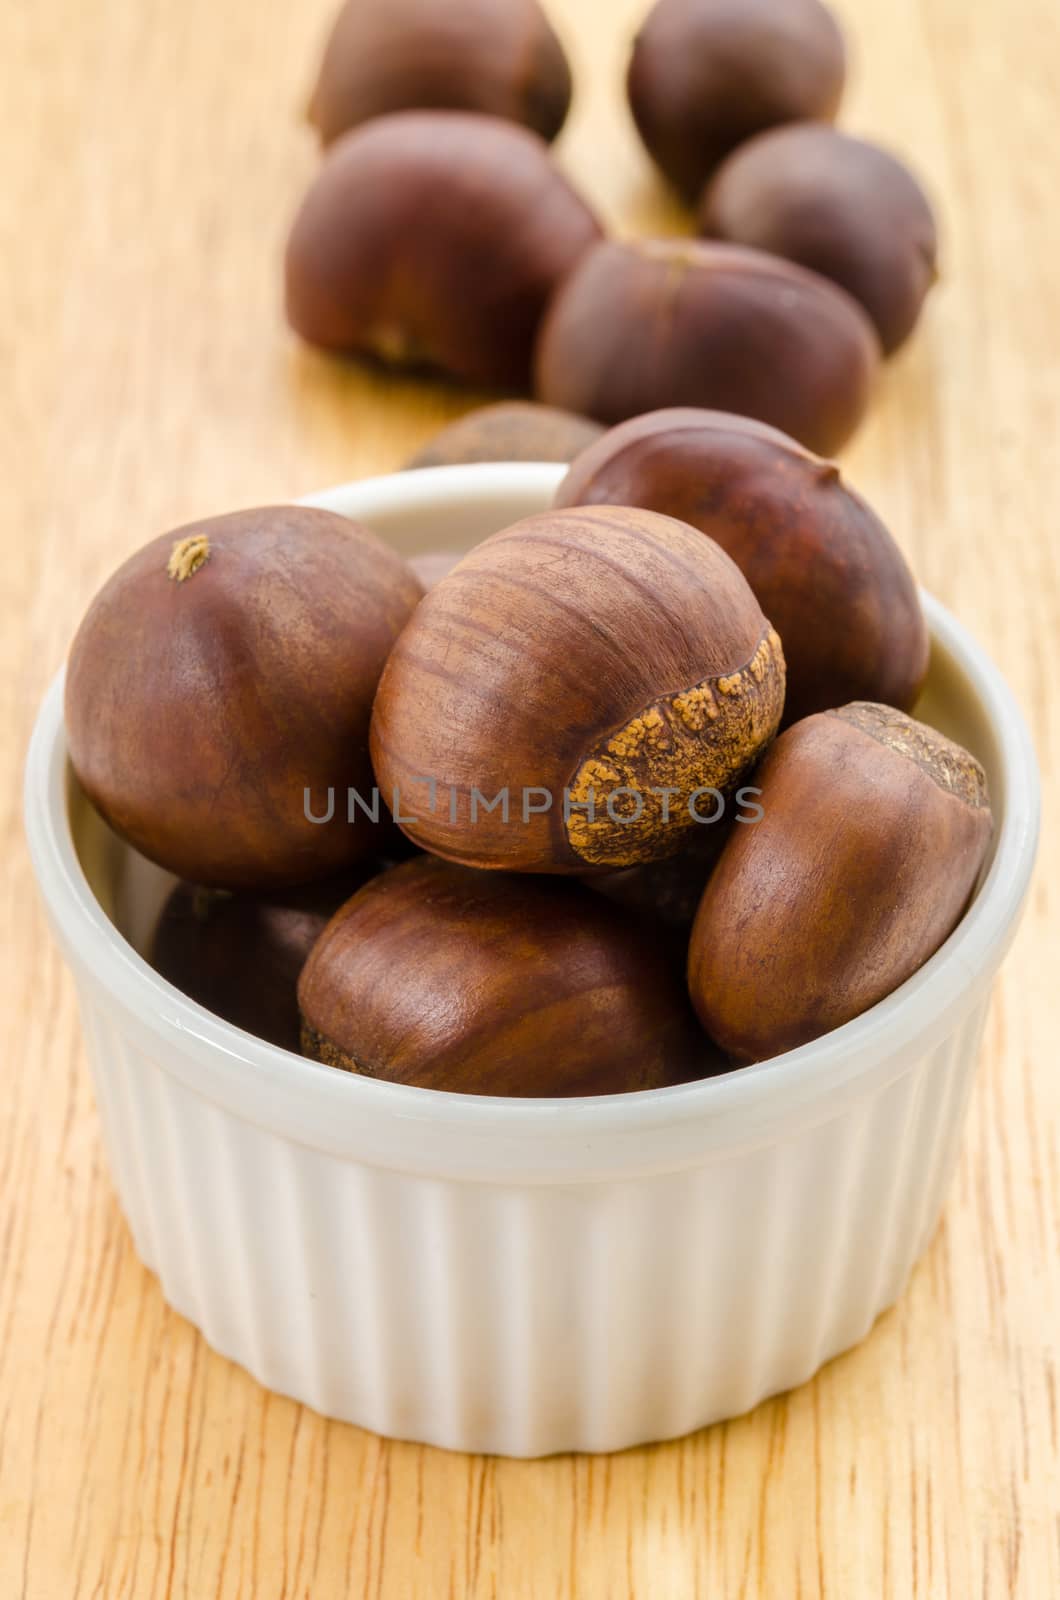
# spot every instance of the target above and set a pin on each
(453, 508)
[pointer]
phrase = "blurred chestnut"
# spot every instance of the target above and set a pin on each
(845, 208)
(646, 324)
(707, 74)
(511, 430)
(873, 833)
(487, 983)
(434, 239)
(571, 689)
(239, 955)
(223, 673)
(496, 56)
(822, 565)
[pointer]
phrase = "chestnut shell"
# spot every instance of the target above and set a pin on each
(707, 74)
(240, 955)
(593, 655)
(487, 983)
(434, 239)
(841, 206)
(503, 59)
(641, 325)
(511, 430)
(224, 669)
(874, 831)
(822, 565)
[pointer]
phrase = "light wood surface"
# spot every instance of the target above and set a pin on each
(150, 157)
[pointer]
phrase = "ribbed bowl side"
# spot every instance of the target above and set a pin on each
(535, 1318)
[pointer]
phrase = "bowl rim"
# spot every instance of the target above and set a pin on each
(508, 1138)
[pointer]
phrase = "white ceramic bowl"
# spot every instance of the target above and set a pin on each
(528, 1276)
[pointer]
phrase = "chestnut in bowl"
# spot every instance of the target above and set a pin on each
(225, 672)
(511, 430)
(874, 829)
(841, 206)
(496, 56)
(644, 324)
(707, 74)
(434, 239)
(822, 565)
(240, 955)
(568, 698)
(488, 983)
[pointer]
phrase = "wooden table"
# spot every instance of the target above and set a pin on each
(150, 157)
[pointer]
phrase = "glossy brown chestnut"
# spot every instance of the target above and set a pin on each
(587, 673)
(240, 955)
(487, 983)
(644, 324)
(707, 74)
(844, 208)
(873, 833)
(511, 430)
(224, 670)
(434, 239)
(496, 56)
(823, 567)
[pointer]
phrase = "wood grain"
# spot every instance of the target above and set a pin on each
(150, 157)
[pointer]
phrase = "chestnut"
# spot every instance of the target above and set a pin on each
(873, 832)
(240, 955)
(497, 56)
(823, 567)
(488, 983)
(639, 325)
(571, 694)
(843, 207)
(434, 239)
(511, 430)
(707, 74)
(224, 676)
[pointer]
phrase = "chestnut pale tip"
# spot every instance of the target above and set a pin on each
(187, 556)
(947, 764)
